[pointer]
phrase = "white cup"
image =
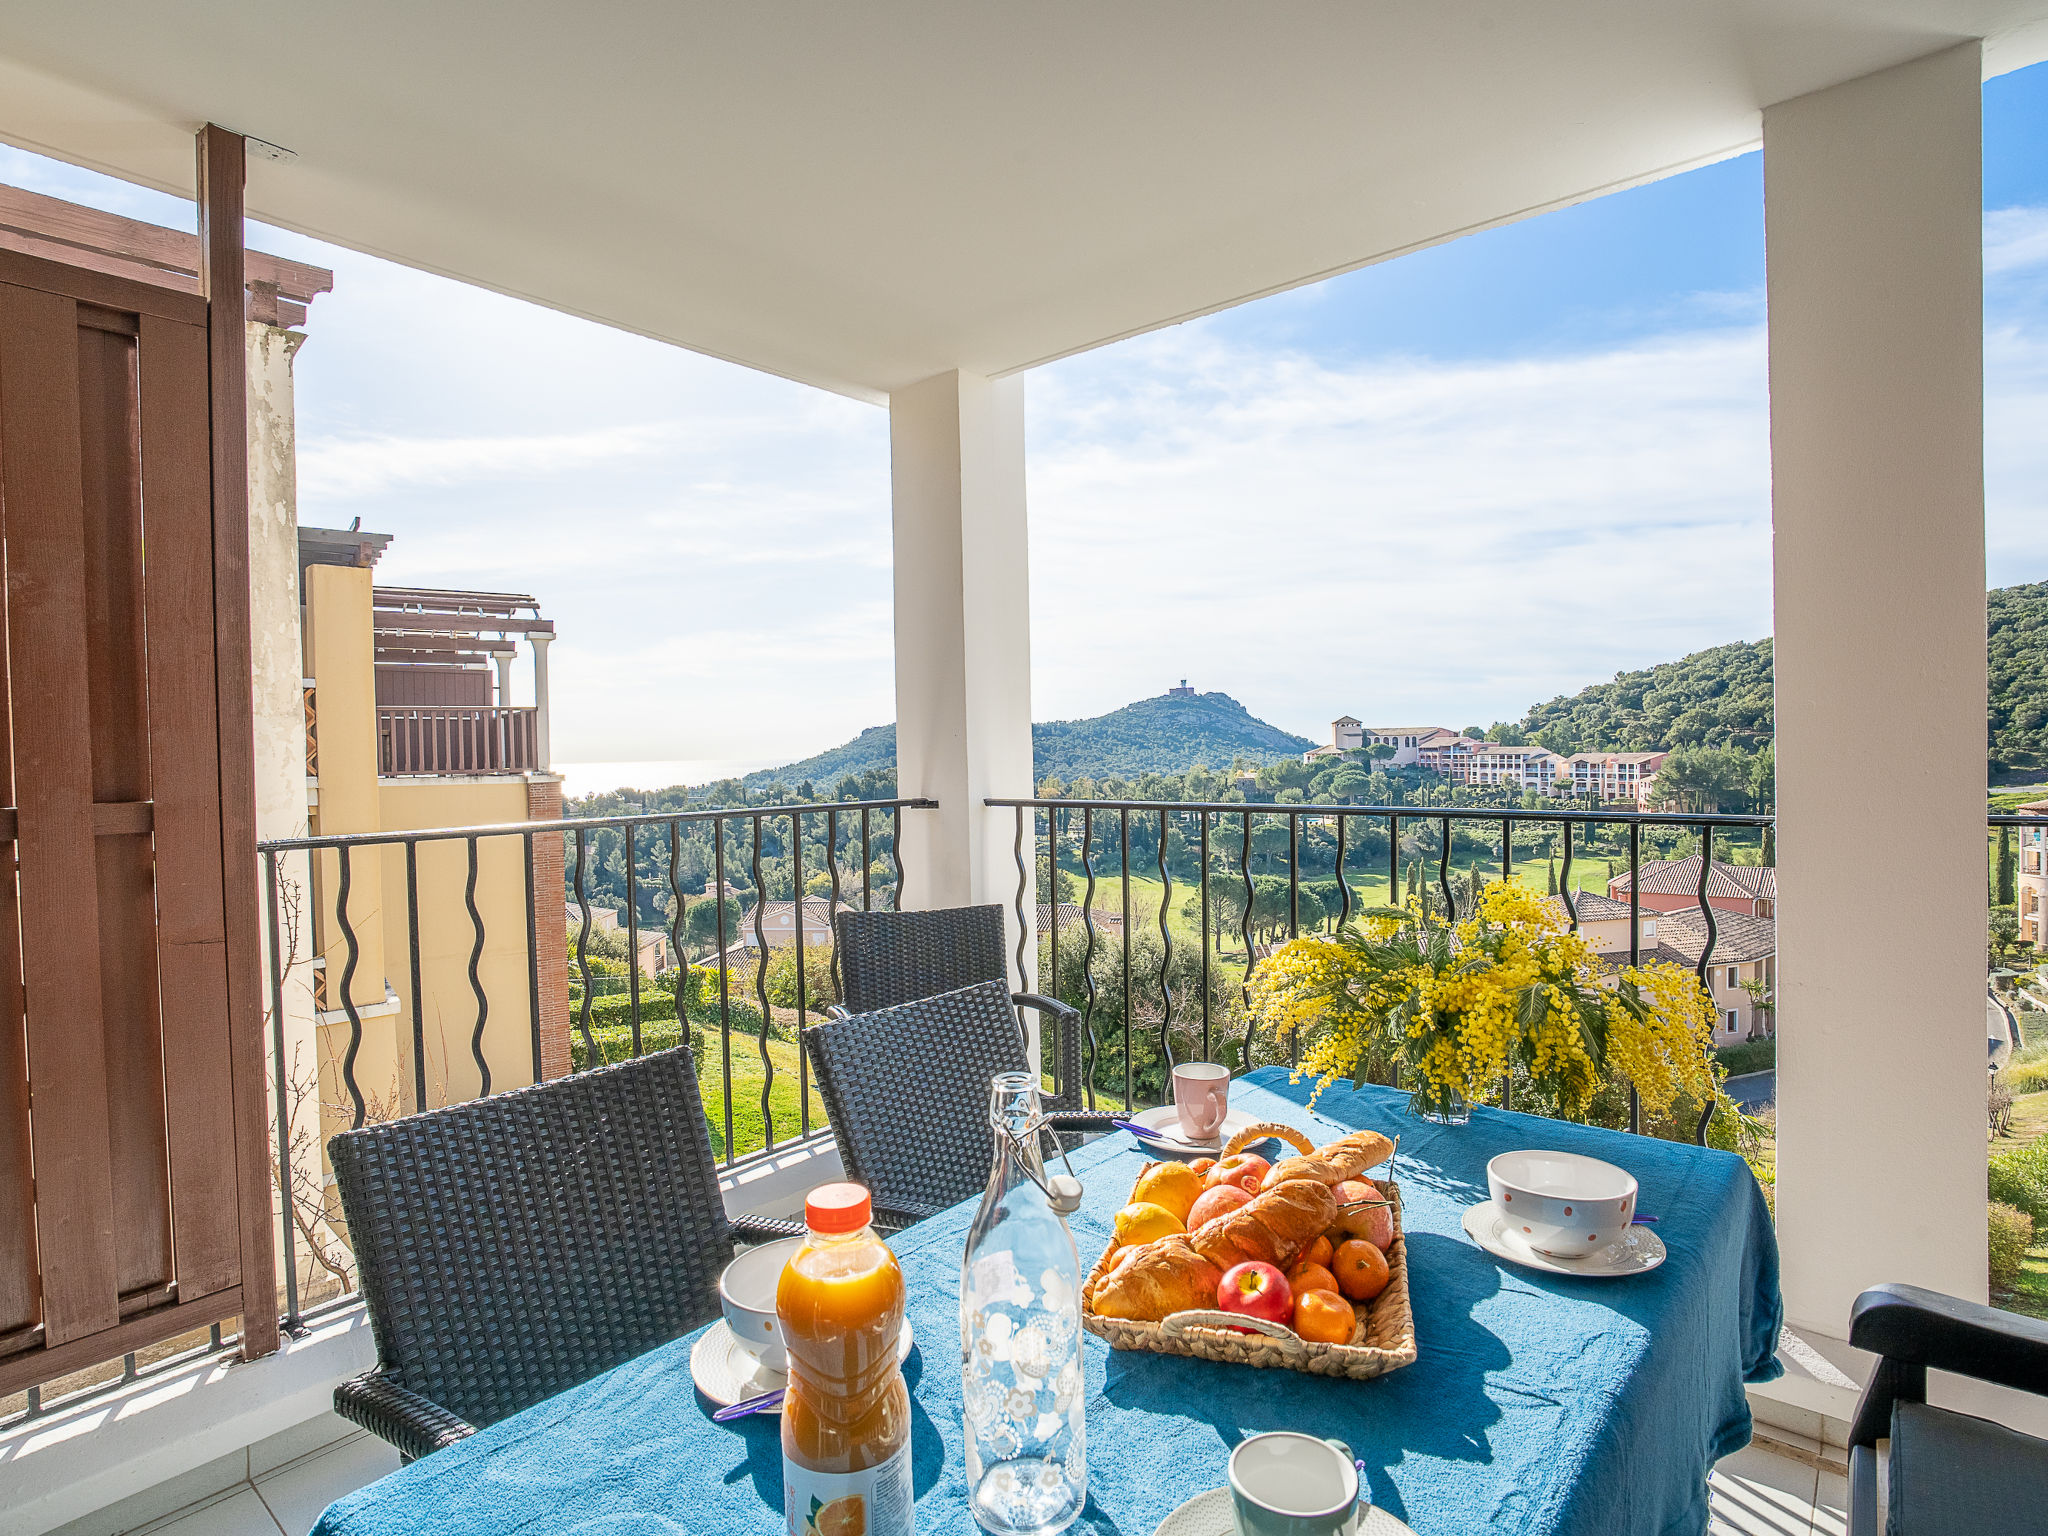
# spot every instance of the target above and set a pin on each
(746, 1295)
(1287, 1484)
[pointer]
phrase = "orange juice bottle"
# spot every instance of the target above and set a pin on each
(846, 1417)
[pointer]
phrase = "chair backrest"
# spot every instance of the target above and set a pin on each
(886, 958)
(906, 1089)
(516, 1245)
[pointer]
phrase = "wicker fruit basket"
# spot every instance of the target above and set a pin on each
(1384, 1340)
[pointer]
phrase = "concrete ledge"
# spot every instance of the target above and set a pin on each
(174, 1431)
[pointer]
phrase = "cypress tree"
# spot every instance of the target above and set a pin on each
(2005, 895)
(1553, 877)
(1770, 855)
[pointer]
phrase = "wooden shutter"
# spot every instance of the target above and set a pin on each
(125, 1196)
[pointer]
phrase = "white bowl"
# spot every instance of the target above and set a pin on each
(746, 1295)
(1562, 1204)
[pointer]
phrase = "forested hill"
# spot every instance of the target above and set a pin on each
(1722, 697)
(1158, 735)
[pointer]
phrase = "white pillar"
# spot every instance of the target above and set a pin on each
(504, 661)
(540, 701)
(963, 640)
(1873, 211)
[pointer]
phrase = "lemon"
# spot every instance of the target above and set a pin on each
(1173, 1186)
(1143, 1222)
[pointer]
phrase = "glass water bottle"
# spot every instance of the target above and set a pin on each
(1020, 1333)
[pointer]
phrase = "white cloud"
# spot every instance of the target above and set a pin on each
(1395, 537)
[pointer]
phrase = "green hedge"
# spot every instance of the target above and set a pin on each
(2020, 1179)
(2009, 1233)
(1750, 1056)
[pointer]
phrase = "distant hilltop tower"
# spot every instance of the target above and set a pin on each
(1182, 692)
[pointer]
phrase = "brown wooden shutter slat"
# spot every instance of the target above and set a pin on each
(46, 608)
(192, 936)
(110, 464)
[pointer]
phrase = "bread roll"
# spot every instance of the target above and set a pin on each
(1340, 1160)
(1273, 1228)
(1161, 1278)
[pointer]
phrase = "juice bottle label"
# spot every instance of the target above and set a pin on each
(876, 1502)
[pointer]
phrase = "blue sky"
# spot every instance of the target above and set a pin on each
(1438, 489)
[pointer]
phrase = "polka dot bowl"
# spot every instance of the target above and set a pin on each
(1560, 1203)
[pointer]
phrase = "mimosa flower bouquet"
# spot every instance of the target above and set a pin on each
(1458, 1007)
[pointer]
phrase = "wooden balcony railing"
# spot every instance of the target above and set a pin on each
(456, 738)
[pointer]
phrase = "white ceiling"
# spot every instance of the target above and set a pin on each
(862, 195)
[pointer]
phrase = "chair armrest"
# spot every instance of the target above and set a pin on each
(894, 1218)
(836, 1011)
(1916, 1329)
(1066, 1012)
(763, 1229)
(1081, 1120)
(417, 1425)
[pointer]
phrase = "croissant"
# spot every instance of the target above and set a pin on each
(1340, 1160)
(1273, 1227)
(1162, 1277)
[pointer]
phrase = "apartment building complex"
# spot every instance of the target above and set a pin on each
(2031, 887)
(1529, 769)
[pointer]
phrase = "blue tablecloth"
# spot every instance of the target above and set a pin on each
(1538, 1404)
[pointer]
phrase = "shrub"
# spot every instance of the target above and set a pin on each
(2009, 1234)
(2019, 1178)
(2027, 1072)
(1750, 1056)
(819, 991)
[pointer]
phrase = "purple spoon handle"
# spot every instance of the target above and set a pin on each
(747, 1405)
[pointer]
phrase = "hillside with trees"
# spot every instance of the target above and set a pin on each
(2019, 676)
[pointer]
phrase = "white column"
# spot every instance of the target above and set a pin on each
(504, 662)
(1873, 211)
(540, 701)
(963, 639)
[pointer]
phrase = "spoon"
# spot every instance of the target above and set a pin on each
(747, 1405)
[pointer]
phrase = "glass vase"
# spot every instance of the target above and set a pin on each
(1020, 1336)
(1439, 1105)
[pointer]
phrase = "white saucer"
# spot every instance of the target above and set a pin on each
(1640, 1251)
(1210, 1514)
(1166, 1120)
(726, 1371)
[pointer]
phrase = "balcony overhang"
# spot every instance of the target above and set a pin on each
(865, 197)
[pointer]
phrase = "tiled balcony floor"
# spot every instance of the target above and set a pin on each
(1755, 1493)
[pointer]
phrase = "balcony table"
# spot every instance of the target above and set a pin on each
(1539, 1404)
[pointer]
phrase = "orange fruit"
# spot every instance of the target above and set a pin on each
(1361, 1269)
(1324, 1317)
(1141, 1222)
(1311, 1277)
(1318, 1252)
(1171, 1186)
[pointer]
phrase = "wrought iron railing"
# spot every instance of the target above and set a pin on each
(1220, 836)
(559, 1029)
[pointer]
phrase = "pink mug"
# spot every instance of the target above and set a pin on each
(1201, 1097)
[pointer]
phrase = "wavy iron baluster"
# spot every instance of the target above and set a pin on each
(592, 1058)
(678, 905)
(832, 867)
(1343, 884)
(761, 993)
(1023, 880)
(348, 999)
(1123, 861)
(1443, 874)
(476, 986)
(1088, 954)
(803, 1057)
(412, 931)
(896, 856)
(718, 900)
(1165, 959)
(1244, 929)
(1204, 858)
(1564, 884)
(632, 935)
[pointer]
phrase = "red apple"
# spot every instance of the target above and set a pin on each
(1363, 1212)
(1220, 1201)
(1256, 1290)
(1246, 1170)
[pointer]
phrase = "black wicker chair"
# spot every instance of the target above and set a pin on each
(906, 1090)
(888, 958)
(1946, 1473)
(516, 1245)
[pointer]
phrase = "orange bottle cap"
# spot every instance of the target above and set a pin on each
(838, 1208)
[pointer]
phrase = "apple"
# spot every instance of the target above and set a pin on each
(1363, 1212)
(1202, 1165)
(1253, 1289)
(1220, 1201)
(1246, 1170)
